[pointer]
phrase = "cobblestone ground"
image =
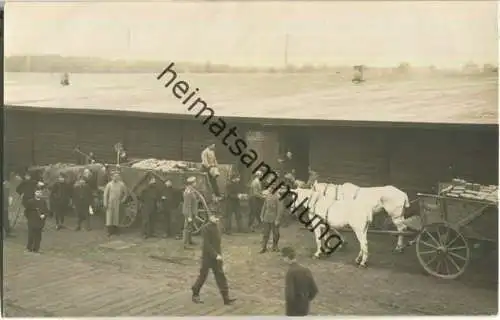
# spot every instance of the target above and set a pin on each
(76, 275)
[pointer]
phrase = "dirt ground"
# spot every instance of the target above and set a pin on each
(76, 276)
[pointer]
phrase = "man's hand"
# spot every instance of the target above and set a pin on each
(190, 219)
(42, 216)
(276, 223)
(219, 257)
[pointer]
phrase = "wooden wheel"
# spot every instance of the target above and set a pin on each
(442, 251)
(199, 221)
(130, 211)
(15, 211)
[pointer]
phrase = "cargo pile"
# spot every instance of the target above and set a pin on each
(164, 165)
(462, 189)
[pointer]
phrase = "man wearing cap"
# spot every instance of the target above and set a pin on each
(189, 210)
(211, 258)
(149, 197)
(233, 204)
(60, 196)
(271, 214)
(209, 164)
(255, 200)
(35, 212)
(300, 287)
(115, 194)
(171, 199)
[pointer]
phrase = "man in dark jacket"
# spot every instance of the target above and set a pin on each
(82, 201)
(171, 199)
(60, 196)
(149, 197)
(27, 188)
(211, 258)
(300, 287)
(233, 205)
(35, 212)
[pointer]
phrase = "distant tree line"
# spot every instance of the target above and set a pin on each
(60, 64)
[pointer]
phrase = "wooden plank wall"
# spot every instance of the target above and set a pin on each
(352, 155)
(18, 140)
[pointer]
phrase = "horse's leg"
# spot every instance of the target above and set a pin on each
(358, 233)
(364, 245)
(317, 237)
(398, 218)
(344, 242)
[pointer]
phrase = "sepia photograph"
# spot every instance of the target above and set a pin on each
(250, 158)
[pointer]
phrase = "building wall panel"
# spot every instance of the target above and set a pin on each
(18, 139)
(151, 138)
(100, 134)
(55, 137)
(342, 155)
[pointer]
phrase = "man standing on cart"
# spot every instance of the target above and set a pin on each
(209, 164)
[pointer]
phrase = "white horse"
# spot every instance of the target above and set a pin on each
(388, 198)
(337, 214)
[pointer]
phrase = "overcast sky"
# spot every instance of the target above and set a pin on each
(445, 34)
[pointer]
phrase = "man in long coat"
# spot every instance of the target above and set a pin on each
(189, 210)
(115, 195)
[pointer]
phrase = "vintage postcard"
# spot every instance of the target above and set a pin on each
(250, 158)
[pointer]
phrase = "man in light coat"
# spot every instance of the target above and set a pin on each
(189, 210)
(115, 195)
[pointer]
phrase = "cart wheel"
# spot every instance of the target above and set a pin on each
(442, 251)
(130, 210)
(199, 221)
(15, 211)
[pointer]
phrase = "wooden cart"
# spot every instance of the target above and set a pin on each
(446, 228)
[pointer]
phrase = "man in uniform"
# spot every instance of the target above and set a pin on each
(149, 197)
(233, 204)
(171, 199)
(211, 258)
(255, 200)
(82, 201)
(189, 210)
(60, 196)
(35, 212)
(271, 215)
(300, 287)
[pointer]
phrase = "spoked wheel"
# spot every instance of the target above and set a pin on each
(442, 251)
(199, 221)
(130, 211)
(15, 211)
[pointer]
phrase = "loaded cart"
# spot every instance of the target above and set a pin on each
(136, 174)
(449, 222)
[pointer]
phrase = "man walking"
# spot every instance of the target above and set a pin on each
(255, 200)
(35, 212)
(233, 204)
(271, 215)
(115, 194)
(189, 210)
(82, 201)
(149, 197)
(300, 287)
(171, 199)
(209, 164)
(60, 197)
(211, 258)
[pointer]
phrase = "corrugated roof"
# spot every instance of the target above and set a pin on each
(455, 100)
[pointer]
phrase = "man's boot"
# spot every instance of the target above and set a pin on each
(196, 297)
(227, 301)
(263, 250)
